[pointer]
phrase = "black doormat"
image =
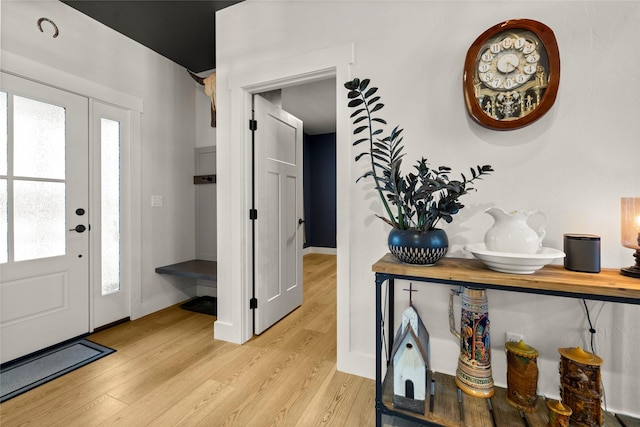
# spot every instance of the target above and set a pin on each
(206, 305)
(27, 373)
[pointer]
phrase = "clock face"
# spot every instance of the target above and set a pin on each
(511, 74)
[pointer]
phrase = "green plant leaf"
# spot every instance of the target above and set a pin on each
(379, 157)
(360, 141)
(363, 84)
(353, 94)
(359, 129)
(377, 107)
(353, 84)
(370, 92)
(359, 156)
(376, 119)
(358, 111)
(359, 119)
(355, 102)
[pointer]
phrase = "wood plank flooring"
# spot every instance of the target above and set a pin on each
(169, 371)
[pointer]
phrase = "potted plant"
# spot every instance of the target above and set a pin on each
(414, 203)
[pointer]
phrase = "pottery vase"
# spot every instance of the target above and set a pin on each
(473, 375)
(418, 247)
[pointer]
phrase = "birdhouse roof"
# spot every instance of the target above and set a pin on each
(420, 337)
(409, 335)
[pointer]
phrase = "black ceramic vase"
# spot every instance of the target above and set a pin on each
(418, 247)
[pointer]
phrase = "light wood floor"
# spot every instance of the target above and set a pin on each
(169, 371)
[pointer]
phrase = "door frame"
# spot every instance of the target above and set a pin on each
(29, 69)
(234, 322)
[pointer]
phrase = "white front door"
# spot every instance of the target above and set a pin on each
(278, 200)
(44, 226)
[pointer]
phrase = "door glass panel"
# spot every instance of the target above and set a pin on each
(110, 204)
(3, 133)
(4, 218)
(4, 222)
(39, 139)
(39, 219)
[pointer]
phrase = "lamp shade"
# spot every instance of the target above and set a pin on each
(630, 222)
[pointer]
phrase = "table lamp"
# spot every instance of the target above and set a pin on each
(630, 220)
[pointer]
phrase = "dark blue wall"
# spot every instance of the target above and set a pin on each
(320, 190)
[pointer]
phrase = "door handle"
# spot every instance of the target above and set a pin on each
(300, 221)
(79, 228)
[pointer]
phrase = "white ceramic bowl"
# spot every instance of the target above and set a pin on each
(507, 262)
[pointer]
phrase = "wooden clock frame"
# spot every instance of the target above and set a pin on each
(550, 45)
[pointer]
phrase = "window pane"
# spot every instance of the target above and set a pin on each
(39, 219)
(4, 219)
(4, 237)
(39, 138)
(110, 205)
(3, 133)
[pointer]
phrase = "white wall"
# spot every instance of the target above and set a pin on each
(574, 164)
(97, 59)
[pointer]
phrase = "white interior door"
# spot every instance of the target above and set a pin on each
(44, 236)
(278, 198)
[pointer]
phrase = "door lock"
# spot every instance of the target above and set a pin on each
(79, 228)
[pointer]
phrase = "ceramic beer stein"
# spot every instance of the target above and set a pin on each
(473, 375)
(522, 375)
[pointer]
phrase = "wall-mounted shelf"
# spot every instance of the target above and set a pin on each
(196, 269)
(204, 179)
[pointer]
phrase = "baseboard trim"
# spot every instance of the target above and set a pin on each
(162, 301)
(319, 250)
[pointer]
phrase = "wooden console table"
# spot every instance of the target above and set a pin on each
(449, 406)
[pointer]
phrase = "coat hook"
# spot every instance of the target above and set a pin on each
(55, 34)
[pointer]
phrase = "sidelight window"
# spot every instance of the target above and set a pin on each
(110, 204)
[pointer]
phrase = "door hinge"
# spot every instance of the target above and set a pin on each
(253, 214)
(253, 303)
(253, 124)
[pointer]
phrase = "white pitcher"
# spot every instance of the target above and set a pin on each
(512, 233)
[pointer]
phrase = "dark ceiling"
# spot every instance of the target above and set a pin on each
(182, 31)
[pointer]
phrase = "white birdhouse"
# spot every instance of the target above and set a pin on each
(410, 358)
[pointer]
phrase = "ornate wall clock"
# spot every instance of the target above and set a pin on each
(511, 74)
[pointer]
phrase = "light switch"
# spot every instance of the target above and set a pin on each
(156, 201)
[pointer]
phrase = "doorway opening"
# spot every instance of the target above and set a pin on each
(234, 322)
(290, 221)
